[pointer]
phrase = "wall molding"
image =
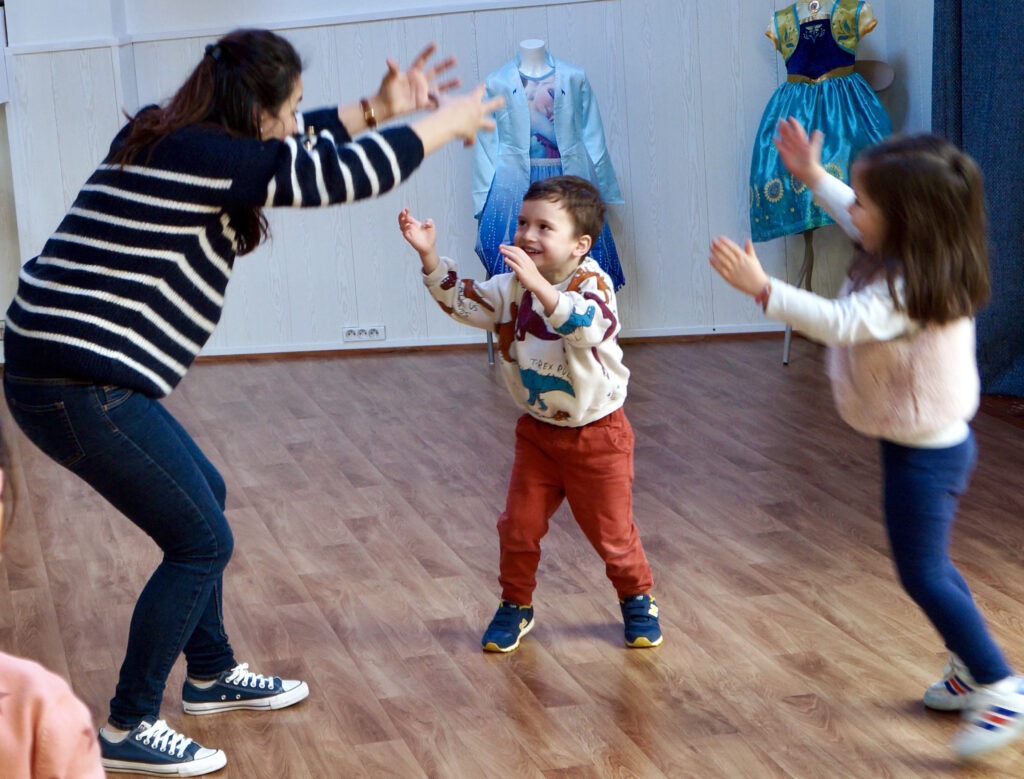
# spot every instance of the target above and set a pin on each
(291, 23)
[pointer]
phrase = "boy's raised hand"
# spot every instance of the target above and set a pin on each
(801, 155)
(422, 236)
(523, 266)
(739, 267)
(526, 271)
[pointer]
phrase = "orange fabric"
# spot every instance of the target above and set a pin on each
(592, 467)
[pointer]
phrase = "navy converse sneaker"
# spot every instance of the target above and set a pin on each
(511, 622)
(155, 749)
(640, 615)
(239, 688)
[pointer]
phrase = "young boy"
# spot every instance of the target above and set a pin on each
(555, 320)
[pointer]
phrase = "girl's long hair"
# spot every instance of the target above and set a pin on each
(932, 198)
(245, 72)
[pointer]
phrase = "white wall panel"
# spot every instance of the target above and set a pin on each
(681, 87)
(739, 74)
(8, 221)
(667, 167)
(35, 158)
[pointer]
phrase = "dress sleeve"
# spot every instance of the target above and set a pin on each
(597, 147)
(485, 153)
(866, 20)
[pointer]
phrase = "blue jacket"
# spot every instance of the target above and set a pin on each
(505, 153)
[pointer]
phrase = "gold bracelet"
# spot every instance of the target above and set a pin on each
(368, 117)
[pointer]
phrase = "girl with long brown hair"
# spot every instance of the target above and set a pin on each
(902, 365)
(110, 315)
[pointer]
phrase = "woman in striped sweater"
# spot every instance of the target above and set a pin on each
(110, 315)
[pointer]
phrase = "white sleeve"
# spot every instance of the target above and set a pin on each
(474, 303)
(835, 197)
(869, 314)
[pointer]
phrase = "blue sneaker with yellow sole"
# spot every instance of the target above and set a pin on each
(510, 623)
(640, 615)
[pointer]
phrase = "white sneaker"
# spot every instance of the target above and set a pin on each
(995, 718)
(953, 691)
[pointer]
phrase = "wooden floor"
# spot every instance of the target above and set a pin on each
(363, 492)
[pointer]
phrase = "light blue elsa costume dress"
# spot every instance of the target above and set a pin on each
(823, 92)
(527, 147)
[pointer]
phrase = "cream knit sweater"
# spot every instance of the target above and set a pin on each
(891, 378)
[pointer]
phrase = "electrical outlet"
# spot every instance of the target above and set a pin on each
(364, 333)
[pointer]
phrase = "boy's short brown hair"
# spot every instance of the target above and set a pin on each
(577, 196)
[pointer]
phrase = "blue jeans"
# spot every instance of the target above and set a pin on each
(922, 489)
(134, 454)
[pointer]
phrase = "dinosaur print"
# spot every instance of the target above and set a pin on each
(529, 322)
(576, 321)
(538, 383)
(469, 291)
(449, 281)
(581, 276)
(506, 332)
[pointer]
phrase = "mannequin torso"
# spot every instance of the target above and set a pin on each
(533, 58)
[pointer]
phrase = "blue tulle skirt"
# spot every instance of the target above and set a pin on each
(848, 112)
(501, 212)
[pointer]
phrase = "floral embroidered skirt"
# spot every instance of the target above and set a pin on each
(847, 111)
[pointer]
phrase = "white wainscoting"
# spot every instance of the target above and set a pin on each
(681, 86)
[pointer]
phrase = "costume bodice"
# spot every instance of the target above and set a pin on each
(819, 47)
(540, 97)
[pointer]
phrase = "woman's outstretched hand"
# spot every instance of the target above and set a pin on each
(417, 88)
(801, 155)
(459, 116)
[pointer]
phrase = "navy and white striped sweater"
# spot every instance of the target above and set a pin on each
(131, 285)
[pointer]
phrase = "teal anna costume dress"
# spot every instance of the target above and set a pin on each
(823, 93)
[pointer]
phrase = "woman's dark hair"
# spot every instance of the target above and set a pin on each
(931, 196)
(245, 72)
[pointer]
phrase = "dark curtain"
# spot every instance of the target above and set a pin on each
(978, 103)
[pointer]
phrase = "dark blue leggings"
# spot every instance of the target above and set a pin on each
(921, 491)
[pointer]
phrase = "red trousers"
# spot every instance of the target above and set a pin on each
(592, 466)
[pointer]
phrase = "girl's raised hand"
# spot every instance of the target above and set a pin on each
(739, 267)
(801, 155)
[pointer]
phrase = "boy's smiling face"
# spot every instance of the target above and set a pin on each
(546, 232)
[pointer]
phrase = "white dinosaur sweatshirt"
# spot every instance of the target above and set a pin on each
(566, 368)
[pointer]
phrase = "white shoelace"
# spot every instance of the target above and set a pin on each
(242, 676)
(164, 738)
